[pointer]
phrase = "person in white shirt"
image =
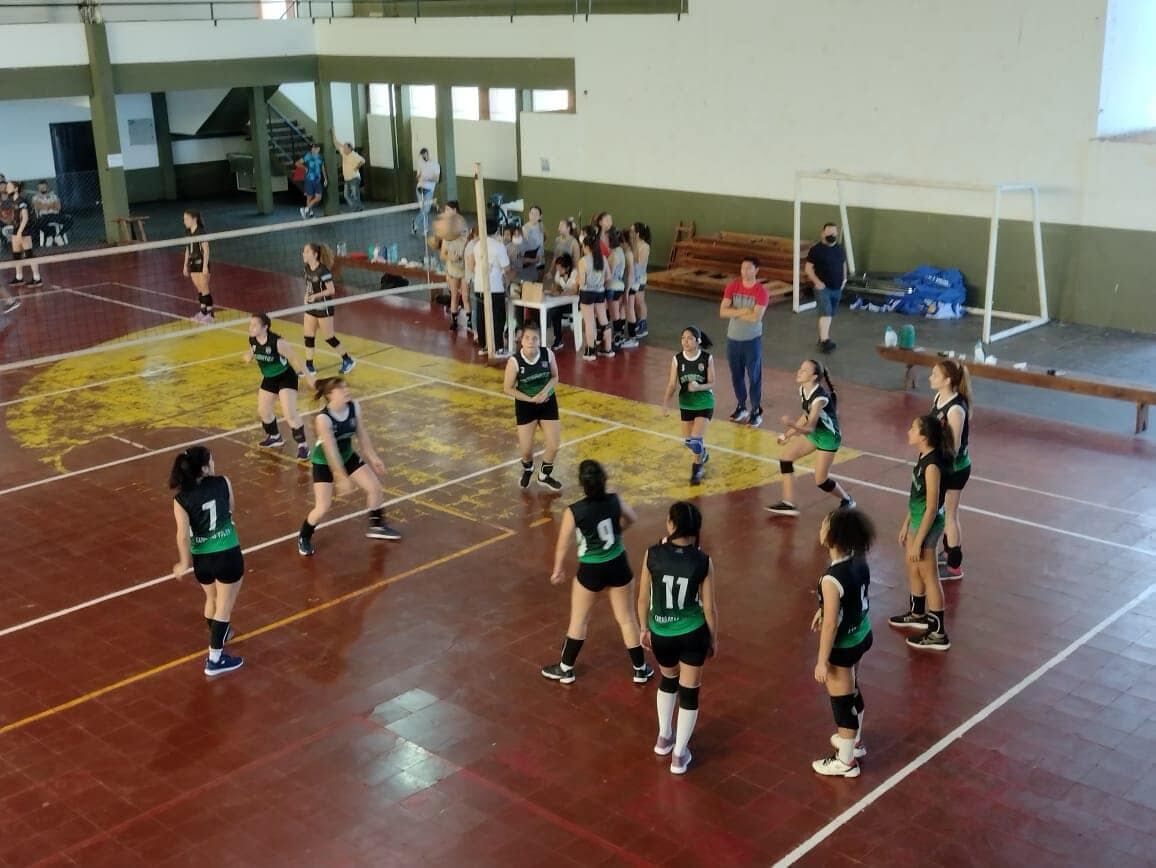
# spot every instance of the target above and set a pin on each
(500, 272)
(351, 163)
(427, 174)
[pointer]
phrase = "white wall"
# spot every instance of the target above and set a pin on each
(381, 141)
(43, 45)
(189, 109)
(491, 143)
(1128, 82)
(160, 42)
(304, 96)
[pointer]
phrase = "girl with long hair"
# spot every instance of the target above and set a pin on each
(636, 313)
(592, 274)
(952, 405)
(319, 287)
(21, 240)
(531, 375)
(692, 376)
(196, 264)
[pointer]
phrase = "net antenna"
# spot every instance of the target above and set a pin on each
(996, 191)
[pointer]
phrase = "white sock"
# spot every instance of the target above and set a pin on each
(686, 722)
(846, 748)
(215, 655)
(666, 702)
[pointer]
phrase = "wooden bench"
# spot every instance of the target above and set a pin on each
(130, 229)
(1044, 378)
(411, 273)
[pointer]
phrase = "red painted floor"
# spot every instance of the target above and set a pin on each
(390, 710)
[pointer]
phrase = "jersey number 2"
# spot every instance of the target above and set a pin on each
(670, 582)
(211, 509)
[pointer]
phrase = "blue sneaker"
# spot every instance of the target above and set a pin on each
(227, 663)
(309, 367)
(347, 364)
(304, 547)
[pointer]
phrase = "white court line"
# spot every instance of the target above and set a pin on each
(93, 295)
(149, 372)
(940, 746)
(360, 513)
(1000, 482)
(206, 439)
(132, 443)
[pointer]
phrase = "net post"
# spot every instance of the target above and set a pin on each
(989, 280)
(798, 229)
(1038, 240)
(482, 255)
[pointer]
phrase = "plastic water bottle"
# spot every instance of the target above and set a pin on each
(393, 256)
(978, 354)
(890, 338)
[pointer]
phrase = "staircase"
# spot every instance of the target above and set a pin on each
(288, 142)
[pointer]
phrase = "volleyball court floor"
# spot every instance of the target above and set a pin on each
(390, 710)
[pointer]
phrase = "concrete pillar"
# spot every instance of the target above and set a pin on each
(523, 102)
(445, 128)
(403, 178)
(359, 95)
(105, 132)
(324, 95)
(262, 161)
(164, 146)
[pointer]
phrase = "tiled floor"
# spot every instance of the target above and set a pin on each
(390, 711)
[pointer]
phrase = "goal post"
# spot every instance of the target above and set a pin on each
(995, 191)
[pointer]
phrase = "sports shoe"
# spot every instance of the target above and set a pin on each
(347, 364)
(606, 354)
(36, 281)
(827, 346)
(453, 322)
(663, 746)
(847, 503)
(643, 673)
(679, 764)
(549, 481)
(696, 473)
(950, 574)
(309, 367)
(559, 344)
(302, 452)
(589, 356)
(482, 351)
(16, 281)
(383, 531)
(739, 415)
(305, 547)
(11, 305)
(271, 441)
(756, 417)
(207, 319)
(783, 507)
(227, 663)
(930, 641)
(527, 475)
(198, 317)
(909, 621)
(501, 353)
(557, 673)
(302, 212)
(642, 329)
(629, 343)
(859, 749)
(835, 767)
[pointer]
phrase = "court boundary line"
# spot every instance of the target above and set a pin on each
(129, 304)
(962, 729)
(269, 543)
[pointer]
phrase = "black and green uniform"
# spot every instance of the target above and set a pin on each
(211, 526)
(196, 250)
(344, 430)
(531, 379)
(917, 500)
(827, 437)
(676, 575)
(694, 370)
(962, 458)
(853, 577)
(315, 280)
(602, 561)
(275, 371)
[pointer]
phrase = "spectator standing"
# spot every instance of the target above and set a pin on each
(428, 172)
(743, 306)
(315, 178)
(351, 163)
(826, 267)
(500, 272)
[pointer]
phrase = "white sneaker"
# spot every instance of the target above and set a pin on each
(663, 746)
(679, 764)
(832, 766)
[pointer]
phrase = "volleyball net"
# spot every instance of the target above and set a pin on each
(113, 297)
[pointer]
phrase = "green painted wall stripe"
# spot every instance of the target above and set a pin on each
(205, 74)
(45, 82)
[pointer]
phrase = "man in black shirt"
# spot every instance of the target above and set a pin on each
(826, 267)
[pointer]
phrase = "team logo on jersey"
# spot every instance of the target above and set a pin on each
(701, 367)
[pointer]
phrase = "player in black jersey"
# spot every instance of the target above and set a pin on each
(919, 535)
(952, 404)
(531, 375)
(679, 616)
(336, 462)
(844, 630)
(319, 287)
(207, 542)
(692, 376)
(280, 369)
(597, 522)
(22, 235)
(196, 265)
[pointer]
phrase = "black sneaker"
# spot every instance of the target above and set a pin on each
(16, 281)
(557, 673)
(383, 531)
(643, 673)
(309, 367)
(606, 354)
(549, 481)
(847, 503)
(271, 441)
(740, 415)
(36, 281)
(783, 507)
(756, 417)
(696, 473)
(930, 641)
(227, 663)
(305, 547)
(558, 345)
(527, 475)
(909, 621)
(827, 346)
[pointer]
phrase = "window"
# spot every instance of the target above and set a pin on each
(274, 10)
(551, 100)
(381, 99)
(503, 104)
(423, 100)
(1128, 74)
(466, 103)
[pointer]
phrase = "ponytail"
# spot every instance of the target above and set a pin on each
(592, 477)
(686, 520)
(937, 435)
(824, 376)
(189, 467)
(642, 231)
(959, 377)
(702, 337)
(591, 241)
(322, 252)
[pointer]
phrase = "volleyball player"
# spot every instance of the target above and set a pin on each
(597, 521)
(207, 541)
(280, 369)
(318, 259)
(640, 238)
(919, 533)
(819, 424)
(196, 265)
(21, 239)
(844, 634)
(592, 273)
(692, 376)
(952, 406)
(531, 375)
(616, 277)
(678, 611)
(337, 463)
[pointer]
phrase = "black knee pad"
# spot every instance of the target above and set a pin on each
(310, 342)
(688, 698)
(827, 485)
(843, 708)
(667, 685)
(786, 467)
(333, 341)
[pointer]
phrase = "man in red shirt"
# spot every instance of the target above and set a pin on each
(743, 305)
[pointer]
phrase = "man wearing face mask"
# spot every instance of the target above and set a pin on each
(826, 267)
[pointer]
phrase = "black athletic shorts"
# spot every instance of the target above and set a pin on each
(848, 657)
(585, 297)
(690, 648)
(614, 294)
(197, 267)
(322, 473)
(691, 415)
(227, 567)
(319, 312)
(955, 480)
(526, 412)
(287, 379)
(611, 574)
